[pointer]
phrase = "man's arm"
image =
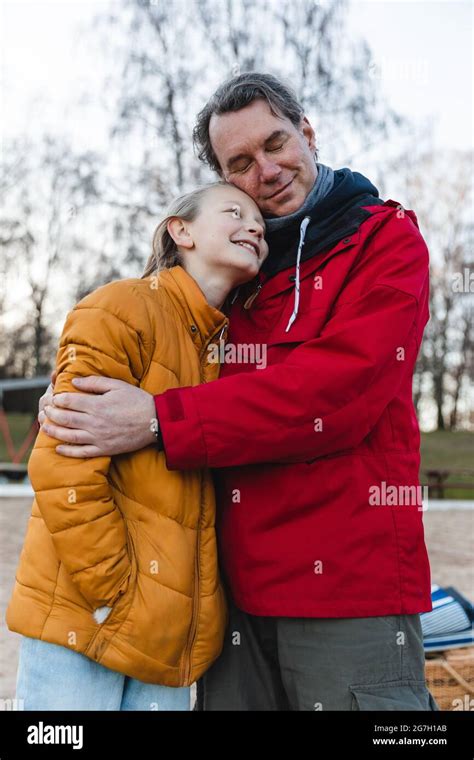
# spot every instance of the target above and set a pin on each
(325, 397)
(330, 392)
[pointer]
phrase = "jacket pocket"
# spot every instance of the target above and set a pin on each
(125, 599)
(394, 695)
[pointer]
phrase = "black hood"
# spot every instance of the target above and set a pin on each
(339, 214)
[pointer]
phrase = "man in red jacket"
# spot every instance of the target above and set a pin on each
(315, 454)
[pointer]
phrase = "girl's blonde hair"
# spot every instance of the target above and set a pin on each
(165, 253)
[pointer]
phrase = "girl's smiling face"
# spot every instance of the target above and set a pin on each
(226, 237)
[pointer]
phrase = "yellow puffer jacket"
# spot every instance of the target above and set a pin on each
(125, 531)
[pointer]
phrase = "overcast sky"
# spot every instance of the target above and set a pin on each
(422, 55)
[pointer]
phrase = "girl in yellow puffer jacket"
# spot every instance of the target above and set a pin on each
(117, 593)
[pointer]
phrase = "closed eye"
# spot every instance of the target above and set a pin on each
(240, 170)
(270, 150)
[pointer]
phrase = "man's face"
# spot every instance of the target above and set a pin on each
(266, 156)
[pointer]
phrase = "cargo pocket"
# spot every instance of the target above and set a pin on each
(394, 695)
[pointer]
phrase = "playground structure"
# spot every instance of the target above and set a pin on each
(19, 396)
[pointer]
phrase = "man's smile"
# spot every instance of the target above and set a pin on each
(281, 189)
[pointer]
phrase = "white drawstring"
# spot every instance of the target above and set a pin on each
(303, 227)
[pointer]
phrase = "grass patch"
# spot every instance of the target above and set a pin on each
(446, 450)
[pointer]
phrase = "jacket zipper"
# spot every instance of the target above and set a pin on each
(248, 303)
(331, 243)
(196, 598)
(193, 628)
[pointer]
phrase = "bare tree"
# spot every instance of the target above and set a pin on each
(463, 372)
(73, 222)
(443, 209)
(47, 197)
(166, 58)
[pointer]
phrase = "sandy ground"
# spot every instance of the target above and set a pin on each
(449, 537)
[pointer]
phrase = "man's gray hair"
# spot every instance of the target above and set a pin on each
(236, 93)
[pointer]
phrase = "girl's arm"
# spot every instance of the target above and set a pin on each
(74, 495)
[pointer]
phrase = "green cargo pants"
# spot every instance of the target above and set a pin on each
(280, 663)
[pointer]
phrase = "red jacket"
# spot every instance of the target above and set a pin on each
(306, 446)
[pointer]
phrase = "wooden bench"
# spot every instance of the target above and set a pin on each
(438, 480)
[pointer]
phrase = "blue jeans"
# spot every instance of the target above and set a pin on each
(52, 677)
